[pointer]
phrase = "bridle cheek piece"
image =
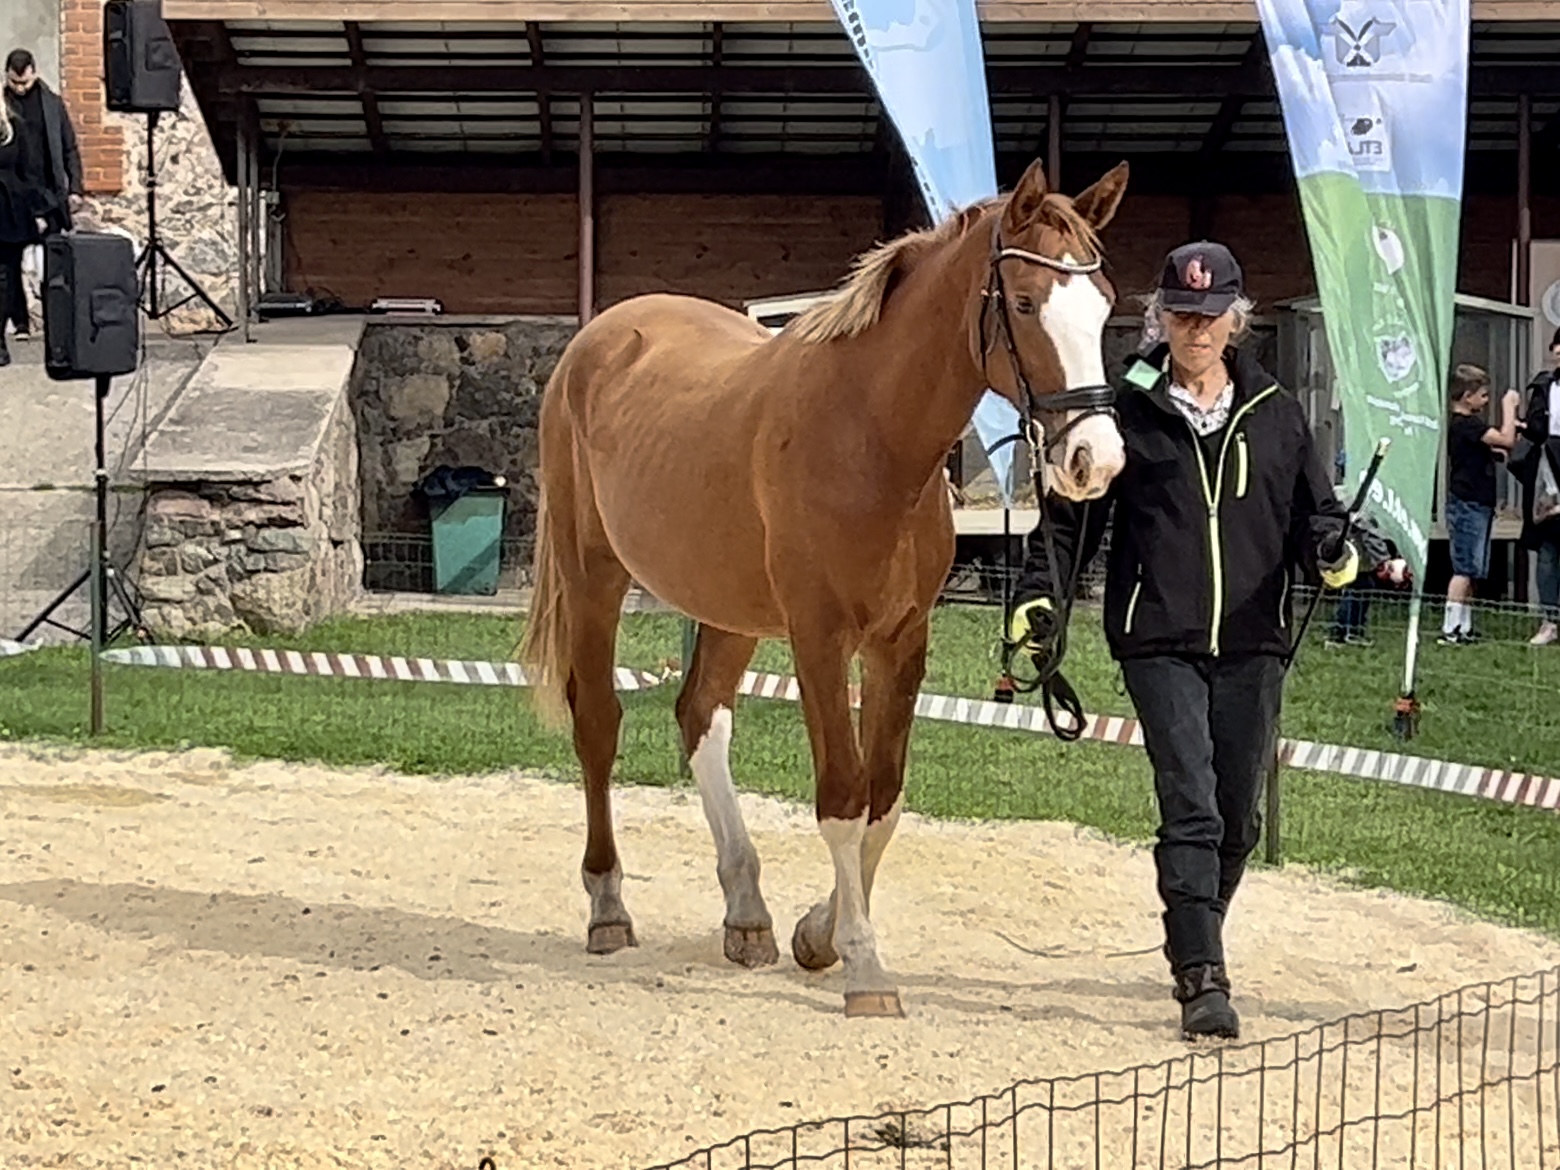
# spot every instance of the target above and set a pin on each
(1087, 401)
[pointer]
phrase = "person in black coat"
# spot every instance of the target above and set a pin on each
(1224, 505)
(25, 206)
(1536, 465)
(50, 143)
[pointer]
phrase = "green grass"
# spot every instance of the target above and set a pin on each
(1499, 861)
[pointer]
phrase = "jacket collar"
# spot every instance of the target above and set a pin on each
(1149, 372)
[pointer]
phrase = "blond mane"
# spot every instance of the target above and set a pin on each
(858, 304)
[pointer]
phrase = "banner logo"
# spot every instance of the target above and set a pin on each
(1360, 49)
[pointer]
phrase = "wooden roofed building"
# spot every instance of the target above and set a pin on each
(551, 157)
(536, 156)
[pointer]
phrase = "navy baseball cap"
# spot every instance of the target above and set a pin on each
(1200, 278)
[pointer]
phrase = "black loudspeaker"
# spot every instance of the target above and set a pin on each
(91, 327)
(141, 72)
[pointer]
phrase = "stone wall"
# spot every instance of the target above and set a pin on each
(272, 556)
(451, 394)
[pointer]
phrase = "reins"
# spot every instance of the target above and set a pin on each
(1088, 401)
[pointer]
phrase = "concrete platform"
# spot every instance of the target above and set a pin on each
(256, 410)
(46, 469)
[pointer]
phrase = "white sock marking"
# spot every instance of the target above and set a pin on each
(736, 859)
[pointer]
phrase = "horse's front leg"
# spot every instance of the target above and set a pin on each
(840, 927)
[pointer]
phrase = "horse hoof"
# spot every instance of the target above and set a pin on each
(609, 937)
(751, 946)
(811, 956)
(869, 1004)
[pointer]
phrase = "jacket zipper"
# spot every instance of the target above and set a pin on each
(1132, 602)
(1212, 494)
(1283, 603)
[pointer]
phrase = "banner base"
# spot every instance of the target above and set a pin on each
(1405, 717)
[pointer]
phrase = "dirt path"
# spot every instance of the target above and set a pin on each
(208, 965)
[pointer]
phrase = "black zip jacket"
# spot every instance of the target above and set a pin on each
(1208, 535)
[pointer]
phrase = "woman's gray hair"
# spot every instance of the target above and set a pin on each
(1154, 309)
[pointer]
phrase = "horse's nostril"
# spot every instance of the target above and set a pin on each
(1082, 463)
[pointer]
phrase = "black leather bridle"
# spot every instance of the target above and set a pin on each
(1087, 401)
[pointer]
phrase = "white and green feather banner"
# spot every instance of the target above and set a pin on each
(1375, 98)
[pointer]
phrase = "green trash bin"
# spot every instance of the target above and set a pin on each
(468, 535)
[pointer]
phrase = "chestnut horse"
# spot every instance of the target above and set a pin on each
(790, 486)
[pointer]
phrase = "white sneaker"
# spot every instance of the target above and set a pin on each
(1547, 633)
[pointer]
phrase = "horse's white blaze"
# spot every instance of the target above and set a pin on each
(1074, 317)
(854, 939)
(736, 861)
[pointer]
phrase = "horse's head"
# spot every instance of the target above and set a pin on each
(1042, 322)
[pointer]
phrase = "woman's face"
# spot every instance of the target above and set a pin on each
(1197, 342)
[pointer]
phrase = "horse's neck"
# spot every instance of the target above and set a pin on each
(919, 383)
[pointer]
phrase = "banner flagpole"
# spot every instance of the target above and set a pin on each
(1374, 99)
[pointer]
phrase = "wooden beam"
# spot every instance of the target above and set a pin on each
(852, 174)
(1524, 198)
(717, 58)
(1234, 105)
(1002, 80)
(731, 11)
(533, 36)
(1078, 51)
(365, 91)
(587, 163)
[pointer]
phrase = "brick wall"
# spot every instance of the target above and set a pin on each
(519, 253)
(102, 142)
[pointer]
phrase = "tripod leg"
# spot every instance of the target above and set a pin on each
(45, 616)
(194, 285)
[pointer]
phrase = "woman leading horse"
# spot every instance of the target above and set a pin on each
(791, 487)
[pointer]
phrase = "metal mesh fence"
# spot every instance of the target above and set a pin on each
(1470, 1079)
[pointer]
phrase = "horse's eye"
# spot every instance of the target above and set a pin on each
(1024, 305)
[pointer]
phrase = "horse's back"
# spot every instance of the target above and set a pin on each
(667, 345)
(663, 422)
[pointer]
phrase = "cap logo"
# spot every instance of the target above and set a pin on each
(1195, 276)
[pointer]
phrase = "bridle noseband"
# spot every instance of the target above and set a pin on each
(1087, 401)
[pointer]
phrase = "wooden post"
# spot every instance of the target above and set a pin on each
(1053, 136)
(690, 641)
(587, 208)
(1524, 197)
(241, 162)
(1273, 851)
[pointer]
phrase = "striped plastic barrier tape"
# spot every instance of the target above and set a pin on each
(392, 668)
(1362, 763)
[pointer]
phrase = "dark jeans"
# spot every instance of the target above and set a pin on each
(1210, 726)
(1549, 572)
(13, 296)
(1353, 609)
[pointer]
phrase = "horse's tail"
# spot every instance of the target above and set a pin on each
(544, 647)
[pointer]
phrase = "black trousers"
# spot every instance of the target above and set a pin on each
(1211, 729)
(13, 295)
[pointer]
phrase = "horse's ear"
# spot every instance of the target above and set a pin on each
(1024, 204)
(1098, 204)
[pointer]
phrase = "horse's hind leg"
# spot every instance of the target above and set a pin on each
(598, 715)
(704, 709)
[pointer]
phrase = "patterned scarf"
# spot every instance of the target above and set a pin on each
(1204, 421)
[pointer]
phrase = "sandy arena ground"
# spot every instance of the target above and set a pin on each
(209, 965)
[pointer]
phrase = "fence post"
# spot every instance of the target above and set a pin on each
(690, 638)
(1273, 851)
(97, 620)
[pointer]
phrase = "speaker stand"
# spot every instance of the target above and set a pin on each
(154, 253)
(107, 575)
